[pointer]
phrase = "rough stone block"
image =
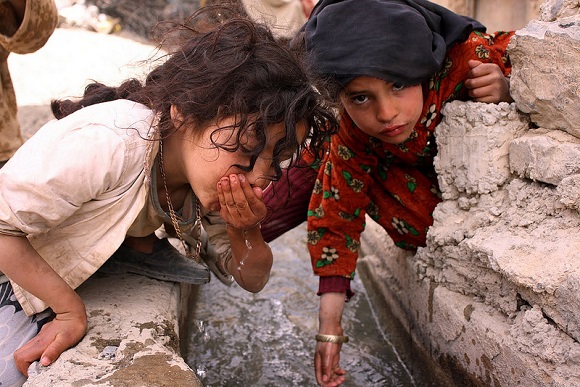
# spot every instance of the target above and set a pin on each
(545, 78)
(473, 140)
(543, 155)
(132, 338)
(465, 331)
(569, 191)
(551, 10)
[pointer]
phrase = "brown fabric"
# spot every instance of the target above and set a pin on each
(40, 20)
(335, 284)
(287, 201)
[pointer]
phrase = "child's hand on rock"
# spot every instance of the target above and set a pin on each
(486, 83)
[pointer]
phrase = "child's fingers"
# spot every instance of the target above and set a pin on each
(249, 193)
(27, 354)
(221, 194)
(241, 205)
(42, 347)
(486, 94)
(227, 201)
(243, 208)
(479, 82)
(485, 71)
(232, 199)
(473, 63)
(253, 195)
(486, 83)
(242, 194)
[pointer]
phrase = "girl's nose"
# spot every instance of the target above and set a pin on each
(261, 174)
(386, 111)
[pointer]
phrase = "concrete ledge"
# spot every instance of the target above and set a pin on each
(132, 338)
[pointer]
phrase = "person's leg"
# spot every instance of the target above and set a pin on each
(287, 201)
(16, 329)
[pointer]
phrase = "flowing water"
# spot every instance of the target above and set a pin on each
(267, 339)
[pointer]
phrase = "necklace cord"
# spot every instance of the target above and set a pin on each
(173, 215)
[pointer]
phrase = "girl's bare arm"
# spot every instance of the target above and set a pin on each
(20, 262)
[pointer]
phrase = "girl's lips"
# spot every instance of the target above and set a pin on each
(392, 131)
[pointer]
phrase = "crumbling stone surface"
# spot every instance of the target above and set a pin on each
(547, 156)
(569, 191)
(545, 80)
(550, 10)
(472, 144)
(132, 338)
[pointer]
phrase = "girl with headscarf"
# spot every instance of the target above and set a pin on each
(394, 64)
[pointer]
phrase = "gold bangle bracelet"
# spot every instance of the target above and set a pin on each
(331, 339)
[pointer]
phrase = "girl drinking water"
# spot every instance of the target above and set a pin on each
(196, 143)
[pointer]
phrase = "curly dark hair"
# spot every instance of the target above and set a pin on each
(220, 64)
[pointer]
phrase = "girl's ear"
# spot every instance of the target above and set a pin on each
(176, 116)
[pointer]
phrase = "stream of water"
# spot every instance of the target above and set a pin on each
(267, 339)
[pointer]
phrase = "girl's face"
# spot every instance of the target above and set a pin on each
(204, 164)
(383, 110)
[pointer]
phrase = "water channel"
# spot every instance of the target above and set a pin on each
(267, 339)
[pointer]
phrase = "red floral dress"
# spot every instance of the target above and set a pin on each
(395, 185)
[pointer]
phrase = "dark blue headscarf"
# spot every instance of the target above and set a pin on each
(400, 41)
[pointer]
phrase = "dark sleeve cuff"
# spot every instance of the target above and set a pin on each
(335, 284)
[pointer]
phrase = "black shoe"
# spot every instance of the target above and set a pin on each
(164, 263)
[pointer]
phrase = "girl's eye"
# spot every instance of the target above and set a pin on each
(359, 99)
(398, 86)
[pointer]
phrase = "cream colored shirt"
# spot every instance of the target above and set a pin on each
(78, 186)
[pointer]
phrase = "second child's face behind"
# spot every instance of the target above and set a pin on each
(383, 110)
(204, 164)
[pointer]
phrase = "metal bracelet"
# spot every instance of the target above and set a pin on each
(331, 338)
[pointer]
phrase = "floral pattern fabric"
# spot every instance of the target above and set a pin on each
(395, 185)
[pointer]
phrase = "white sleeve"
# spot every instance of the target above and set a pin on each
(56, 171)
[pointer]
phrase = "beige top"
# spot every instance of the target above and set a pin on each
(78, 186)
(40, 20)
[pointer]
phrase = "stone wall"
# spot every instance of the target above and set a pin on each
(494, 297)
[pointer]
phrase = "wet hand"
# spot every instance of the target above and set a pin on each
(55, 337)
(486, 83)
(326, 364)
(242, 206)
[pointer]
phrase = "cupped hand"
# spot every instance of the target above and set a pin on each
(55, 337)
(242, 205)
(486, 83)
(326, 364)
